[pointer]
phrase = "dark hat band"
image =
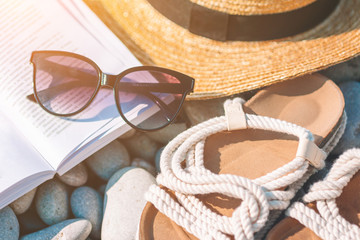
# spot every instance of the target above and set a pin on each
(227, 27)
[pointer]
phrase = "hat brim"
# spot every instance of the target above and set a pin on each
(226, 68)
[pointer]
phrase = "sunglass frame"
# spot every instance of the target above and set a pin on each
(186, 81)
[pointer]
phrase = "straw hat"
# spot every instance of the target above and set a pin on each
(232, 46)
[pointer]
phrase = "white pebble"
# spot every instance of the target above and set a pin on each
(124, 202)
(20, 205)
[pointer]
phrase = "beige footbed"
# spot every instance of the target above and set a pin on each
(311, 101)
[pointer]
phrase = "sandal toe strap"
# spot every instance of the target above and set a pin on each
(338, 177)
(327, 222)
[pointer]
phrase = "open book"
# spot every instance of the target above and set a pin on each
(34, 145)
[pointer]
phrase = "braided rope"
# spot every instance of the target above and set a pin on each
(328, 223)
(259, 196)
(328, 147)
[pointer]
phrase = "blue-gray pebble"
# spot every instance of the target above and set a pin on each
(167, 133)
(343, 72)
(351, 137)
(200, 111)
(87, 203)
(9, 225)
(142, 146)
(105, 162)
(52, 202)
(71, 229)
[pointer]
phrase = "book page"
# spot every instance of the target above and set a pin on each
(55, 25)
(18, 161)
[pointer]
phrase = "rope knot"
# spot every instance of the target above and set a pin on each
(324, 190)
(338, 177)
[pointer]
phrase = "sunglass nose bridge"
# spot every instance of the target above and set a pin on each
(108, 80)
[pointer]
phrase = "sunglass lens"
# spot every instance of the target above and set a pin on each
(150, 93)
(64, 84)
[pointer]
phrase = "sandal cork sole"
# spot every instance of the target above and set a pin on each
(349, 208)
(311, 101)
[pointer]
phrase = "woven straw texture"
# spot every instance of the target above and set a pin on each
(226, 68)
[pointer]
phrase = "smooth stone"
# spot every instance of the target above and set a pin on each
(124, 202)
(9, 225)
(30, 221)
(346, 71)
(202, 110)
(140, 145)
(351, 136)
(128, 134)
(22, 204)
(157, 158)
(75, 177)
(52, 202)
(166, 134)
(109, 159)
(141, 163)
(71, 229)
(87, 203)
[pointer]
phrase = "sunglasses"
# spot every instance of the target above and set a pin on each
(66, 83)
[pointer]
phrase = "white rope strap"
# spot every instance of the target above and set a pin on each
(328, 147)
(328, 223)
(258, 196)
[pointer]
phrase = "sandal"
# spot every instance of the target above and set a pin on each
(232, 176)
(332, 209)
